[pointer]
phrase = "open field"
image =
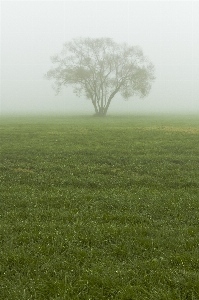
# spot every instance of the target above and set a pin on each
(99, 208)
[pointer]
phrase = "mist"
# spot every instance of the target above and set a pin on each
(33, 31)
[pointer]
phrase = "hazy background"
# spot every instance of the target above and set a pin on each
(32, 31)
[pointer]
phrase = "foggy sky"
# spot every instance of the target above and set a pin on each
(32, 31)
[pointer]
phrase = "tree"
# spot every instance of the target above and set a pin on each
(100, 68)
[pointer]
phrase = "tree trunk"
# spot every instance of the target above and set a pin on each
(100, 114)
(102, 111)
(95, 106)
(99, 111)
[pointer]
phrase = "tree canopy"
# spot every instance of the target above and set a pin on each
(100, 68)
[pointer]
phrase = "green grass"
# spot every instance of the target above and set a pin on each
(99, 208)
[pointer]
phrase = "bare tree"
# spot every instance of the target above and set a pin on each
(100, 68)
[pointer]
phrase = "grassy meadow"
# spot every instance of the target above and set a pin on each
(99, 208)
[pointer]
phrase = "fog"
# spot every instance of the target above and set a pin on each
(33, 31)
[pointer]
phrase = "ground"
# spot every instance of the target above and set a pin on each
(99, 208)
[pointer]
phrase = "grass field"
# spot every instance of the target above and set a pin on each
(99, 208)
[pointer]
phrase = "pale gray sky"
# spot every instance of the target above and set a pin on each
(32, 31)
